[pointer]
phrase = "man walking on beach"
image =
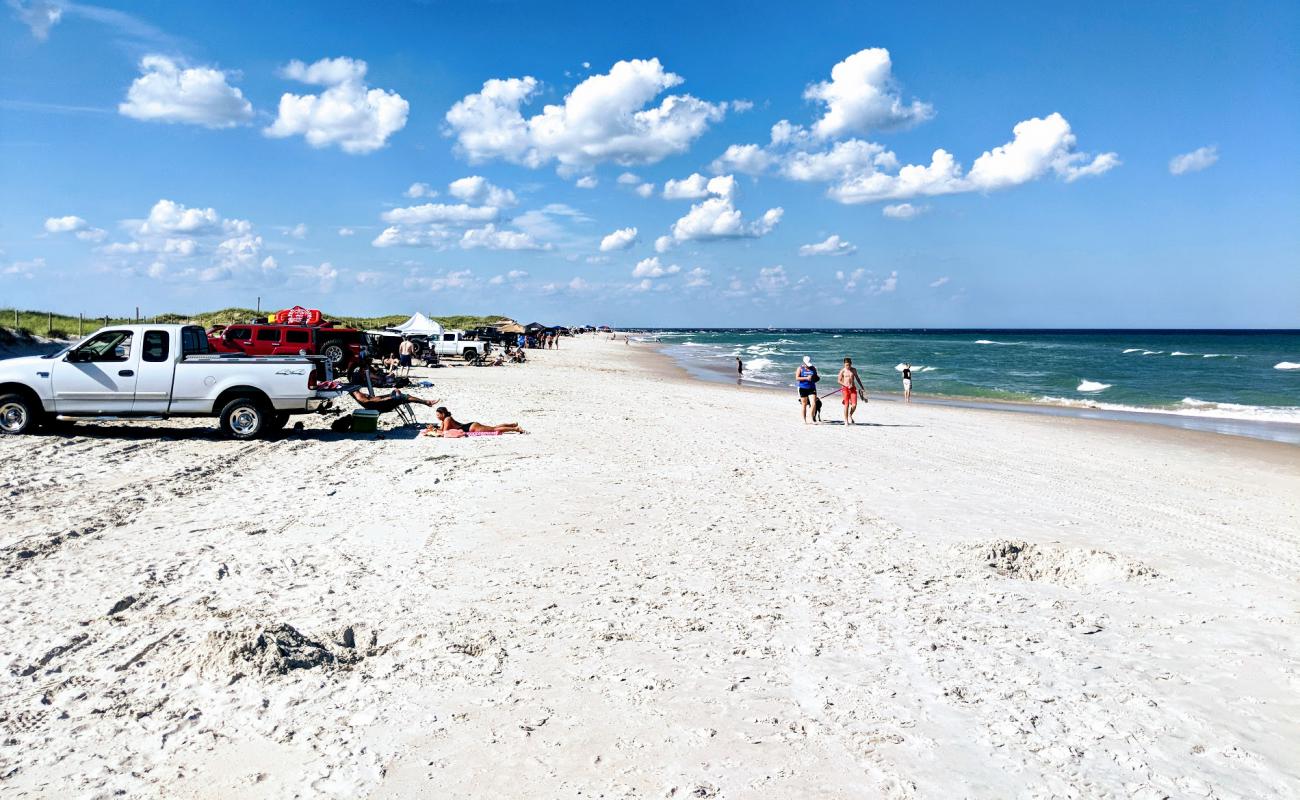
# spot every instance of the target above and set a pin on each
(907, 383)
(740, 369)
(807, 378)
(405, 353)
(849, 382)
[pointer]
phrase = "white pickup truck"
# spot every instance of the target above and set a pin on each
(454, 343)
(156, 372)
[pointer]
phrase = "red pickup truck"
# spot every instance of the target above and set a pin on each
(342, 346)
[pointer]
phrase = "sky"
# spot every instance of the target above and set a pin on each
(670, 164)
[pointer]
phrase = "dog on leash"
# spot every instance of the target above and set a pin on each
(816, 408)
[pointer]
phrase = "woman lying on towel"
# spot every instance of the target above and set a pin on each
(389, 403)
(448, 424)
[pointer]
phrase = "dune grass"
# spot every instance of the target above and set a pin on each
(64, 326)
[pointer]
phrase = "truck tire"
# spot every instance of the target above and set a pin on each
(469, 354)
(245, 418)
(18, 415)
(336, 352)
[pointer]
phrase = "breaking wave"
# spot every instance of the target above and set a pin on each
(1092, 386)
(1286, 365)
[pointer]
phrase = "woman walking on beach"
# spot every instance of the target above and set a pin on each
(806, 376)
(740, 369)
(907, 383)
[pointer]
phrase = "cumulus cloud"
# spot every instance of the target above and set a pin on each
(440, 213)
(903, 210)
(645, 189)
(605, 118)
(690, 188)
(168, 216)
(478, 190)
(749, 159)
(832, 246)
(718, 218)
(1039, 146)
(169, 92)
(419, 190)
(76, 226)
(629, 179)
(663, 244)
(1195, 161)
(621, 239)
(456, 279)
(586, 182)
(651, 268)
(347, 114)
(697, 278)
(489, 237)
(772, 280)
(24, 269)
(298, 231)
(861, 96)
(39, 16)
(513, 276)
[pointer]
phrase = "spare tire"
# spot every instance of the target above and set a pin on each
(336, 352)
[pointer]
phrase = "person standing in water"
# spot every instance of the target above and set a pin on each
(850, 381)
(740, 369)
(907, 383)
(806, 376)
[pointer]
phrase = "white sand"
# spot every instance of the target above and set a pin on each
(671, 589)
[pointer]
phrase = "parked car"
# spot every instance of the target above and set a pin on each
(341, 346)
(157, 372)
(456, 343)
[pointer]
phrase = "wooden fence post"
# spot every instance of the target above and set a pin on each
(81, 321)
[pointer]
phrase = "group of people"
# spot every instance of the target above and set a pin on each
(850, 388)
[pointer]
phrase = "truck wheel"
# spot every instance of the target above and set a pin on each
(335, 352)
(18, 415)
(469, 354)
(244, 418)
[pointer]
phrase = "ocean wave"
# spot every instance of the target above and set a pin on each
(1286, 365)
(1092, 386)
(1191, 407)
(990, 341)
(928, 369)
(758, 364)
(1133, 350)
(1152, 352)
(915, 368)
(1181, 353)
(1217, 355)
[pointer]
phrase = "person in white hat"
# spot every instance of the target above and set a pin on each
(806, 377)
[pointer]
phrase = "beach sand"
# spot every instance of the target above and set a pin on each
(670, 589)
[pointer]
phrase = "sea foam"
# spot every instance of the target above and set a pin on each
(1092, 386)
(1286, 365)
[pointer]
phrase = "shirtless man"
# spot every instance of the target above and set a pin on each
(850, 381)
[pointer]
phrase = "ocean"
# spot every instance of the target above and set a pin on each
(1248, 377)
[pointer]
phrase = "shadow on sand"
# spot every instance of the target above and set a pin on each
(135, 432)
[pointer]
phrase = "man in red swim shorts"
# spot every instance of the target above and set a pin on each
(849, 382)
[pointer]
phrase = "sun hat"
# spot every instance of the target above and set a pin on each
(807, 361)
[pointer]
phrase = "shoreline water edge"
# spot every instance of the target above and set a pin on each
(714, 362)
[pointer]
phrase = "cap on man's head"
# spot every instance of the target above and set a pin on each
(807, 361)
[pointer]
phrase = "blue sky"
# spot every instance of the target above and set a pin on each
(1112, 165)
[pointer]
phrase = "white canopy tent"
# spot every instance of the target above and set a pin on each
(418, 325)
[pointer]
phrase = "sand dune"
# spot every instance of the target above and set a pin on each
(670, 589)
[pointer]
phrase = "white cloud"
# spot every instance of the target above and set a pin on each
(440, 213)
(861, 97)
(167, 216)
(323, 276)
(24, 269)
(39, 16)
(604, 118)
(645, 189)
(346, 232)
(92, 235)
(621, 239)
(717, 218)
(1038, 146)
(935, 284)
(697, 278)
(903, 211)
(1195, 161)
(269, 264)
(419, 190)
(842, 161)
(298, 231)
(458, 279)
(578, 285)
(690, 188)
(64, 224)
(749, 159)
(772, 279)
(663, 244)
(489, 237)
(832, 246)
(513, 276)
(586, 182)
(888, 284)
(741, 106)
(651, 268)
(629, 179)
(422, 236)
(478, 190)
(168, 92)
(348, 114)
